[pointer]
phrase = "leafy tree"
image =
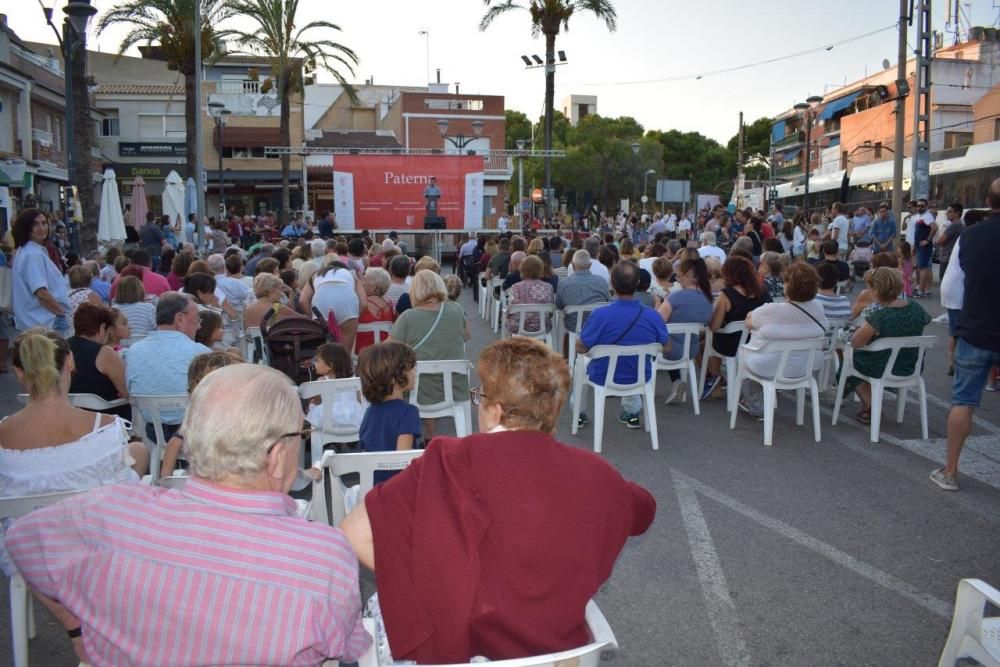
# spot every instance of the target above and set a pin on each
(548, 17)
(516, 126)
(692, 156)
(756, 148)
(278, 38)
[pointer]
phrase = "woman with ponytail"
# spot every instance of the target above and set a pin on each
(49, 445)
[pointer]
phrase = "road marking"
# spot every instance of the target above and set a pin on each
(884, 579)
(718, 600)
(913, 397)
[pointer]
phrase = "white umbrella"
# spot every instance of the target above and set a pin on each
(173, 204)
(111, 223)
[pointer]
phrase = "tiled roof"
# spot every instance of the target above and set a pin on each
(139, 89)
(351, 139)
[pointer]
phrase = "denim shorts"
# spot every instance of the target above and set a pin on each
(972, 372)
(953, 314)
(924, 255)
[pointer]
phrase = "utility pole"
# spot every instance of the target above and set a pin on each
(897, 156)
(739, 169)
(199, 161)
(922, 102)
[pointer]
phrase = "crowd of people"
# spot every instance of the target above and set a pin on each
(136, 322)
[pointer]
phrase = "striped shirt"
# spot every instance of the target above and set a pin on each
(205, 576)
(835, 307)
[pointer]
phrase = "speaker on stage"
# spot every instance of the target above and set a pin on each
(434, 222)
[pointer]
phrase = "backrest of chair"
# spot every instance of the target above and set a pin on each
(328, 391)
(687, 330)
(897, 344)
(258, 353)
(446, 369)
(380, 330)
(582, 312)
(364, 464)
(174, 482)
(18, 506)
(522, 310)
(95, 402)
(614, 353)
(154, 405)
(807, 347)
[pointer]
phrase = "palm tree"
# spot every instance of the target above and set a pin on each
(170, 25)
(548, 17)
(277, 38)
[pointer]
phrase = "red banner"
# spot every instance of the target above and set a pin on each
(387, 191)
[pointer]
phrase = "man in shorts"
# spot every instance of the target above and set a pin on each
(978, 332)
(925, 230)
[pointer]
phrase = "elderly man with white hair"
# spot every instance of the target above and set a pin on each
(514, 269)
(709, 249)
(318, 247)
(582, 287)
(219, 573)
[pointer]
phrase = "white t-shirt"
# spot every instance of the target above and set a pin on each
(843, 227)
(596, 268)
(953, 283)
(502, 223)
(684, 225)
(712, 251)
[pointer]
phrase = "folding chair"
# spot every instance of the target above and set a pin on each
(731, 363)
(973, 634)
(889, 379)
(22, 613)
(365, 464)
(644, 385)
(685, 364)
(460, 411)
(154, 406)
(807, 350)
(327, 431)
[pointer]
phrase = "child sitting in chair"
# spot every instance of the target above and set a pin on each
(387, 371)
(333, 363)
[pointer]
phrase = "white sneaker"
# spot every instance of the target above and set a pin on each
(678, 393)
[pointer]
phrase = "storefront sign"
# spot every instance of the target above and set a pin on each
(159, 149)
(387, 191)
(147, 171)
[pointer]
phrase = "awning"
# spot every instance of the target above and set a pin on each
(824, 182)
(777, 131)
(250, 136)
(838, 104)
(790, 155)
(877, 172)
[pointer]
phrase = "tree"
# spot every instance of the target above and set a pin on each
(756, 148)
(170, 24)
(548, 17)
(516, 126)
(277, 38)
(692, 156)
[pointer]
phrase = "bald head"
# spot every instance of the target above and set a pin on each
(516, 259)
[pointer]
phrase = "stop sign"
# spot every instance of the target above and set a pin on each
(537, 196)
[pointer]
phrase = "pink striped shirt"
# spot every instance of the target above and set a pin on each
(205, 576)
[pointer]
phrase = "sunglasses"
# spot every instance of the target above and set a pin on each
(477, 395)
(301, 435)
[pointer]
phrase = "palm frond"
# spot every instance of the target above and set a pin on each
(602, 9)
(496, 10)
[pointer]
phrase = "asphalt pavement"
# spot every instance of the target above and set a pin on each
(840, 552)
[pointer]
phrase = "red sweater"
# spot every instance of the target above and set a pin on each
(493, 544)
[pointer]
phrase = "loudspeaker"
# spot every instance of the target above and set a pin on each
(434, 222)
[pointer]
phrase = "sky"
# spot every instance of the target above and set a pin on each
(654, 40)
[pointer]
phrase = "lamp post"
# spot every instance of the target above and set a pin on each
(635, 174)
(520, 179)
(219, 112)
(460, 141)
(73, 37)
(645, 185)
(808, 109)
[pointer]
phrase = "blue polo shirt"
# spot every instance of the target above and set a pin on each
(622, 322)
(32, 271)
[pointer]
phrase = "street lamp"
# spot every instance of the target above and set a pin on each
(520, 180)
(73, 37)
(460, 141)
(635, 174)
(645, 182)
(219, 112)
(808, 110)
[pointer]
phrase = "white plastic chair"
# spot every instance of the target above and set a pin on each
(842, 285)
(485, 296)
(380, 330)
(495, 303)
(602, 639)
(500, 309)
(545, 312)
(363, 463)
(327, 431)
(731, 363)
(581, 312)
(889, 380)
(460, 411)
(807, 349)
(685, 364)
(85, 402)
(257, 352)
(831, 356)
(645, 385)
(973, 634)
(22, 613)
(154, 405)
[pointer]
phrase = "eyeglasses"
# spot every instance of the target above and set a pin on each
(303, 434)
(477, 395)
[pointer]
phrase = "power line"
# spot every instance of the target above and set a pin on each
(737, 68)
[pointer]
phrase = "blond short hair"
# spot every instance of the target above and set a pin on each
(379, 279)
(885, 282)
(428, 263)
(263, 283)
(427, 285)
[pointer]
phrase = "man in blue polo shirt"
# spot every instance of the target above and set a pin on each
(624, 321)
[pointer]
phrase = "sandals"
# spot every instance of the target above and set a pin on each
(864, 416)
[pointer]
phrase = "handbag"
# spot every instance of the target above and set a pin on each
(6, 289)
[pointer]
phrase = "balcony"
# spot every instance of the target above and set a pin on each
(244, 87)
(244, 98)
(43, 137)
(789, 140)
(789, 171)
(498, 167)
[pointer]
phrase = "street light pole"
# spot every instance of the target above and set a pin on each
(635, 174)
(460, 141)
(219, 112)
(808, 107)
(520, 180)
(645, 186)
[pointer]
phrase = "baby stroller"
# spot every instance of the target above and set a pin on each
(292, 343)
(860, 260)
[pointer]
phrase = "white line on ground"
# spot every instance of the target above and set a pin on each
(911, 397)
(718, 601)
(884, 579)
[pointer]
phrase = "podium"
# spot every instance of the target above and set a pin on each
(434, 222)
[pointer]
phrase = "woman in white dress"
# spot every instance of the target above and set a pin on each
(51, 446)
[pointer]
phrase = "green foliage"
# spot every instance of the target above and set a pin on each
(692, 156)
(756, 142)
(516, 126)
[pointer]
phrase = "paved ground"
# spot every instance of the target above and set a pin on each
(832, 553)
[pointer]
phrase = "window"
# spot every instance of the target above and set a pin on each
(244, 152)
(256, 151)
(150, 126)
(109, 127)
(454, 105)
(582, 111)
(957, 139)
(162, 126)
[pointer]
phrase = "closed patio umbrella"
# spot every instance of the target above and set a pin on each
(140, 207)
(173, 204)
(111, 223)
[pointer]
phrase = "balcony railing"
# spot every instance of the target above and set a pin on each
(244, 87)
(789, 140)
(791, 170)
(43, 137)
(498, 167)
